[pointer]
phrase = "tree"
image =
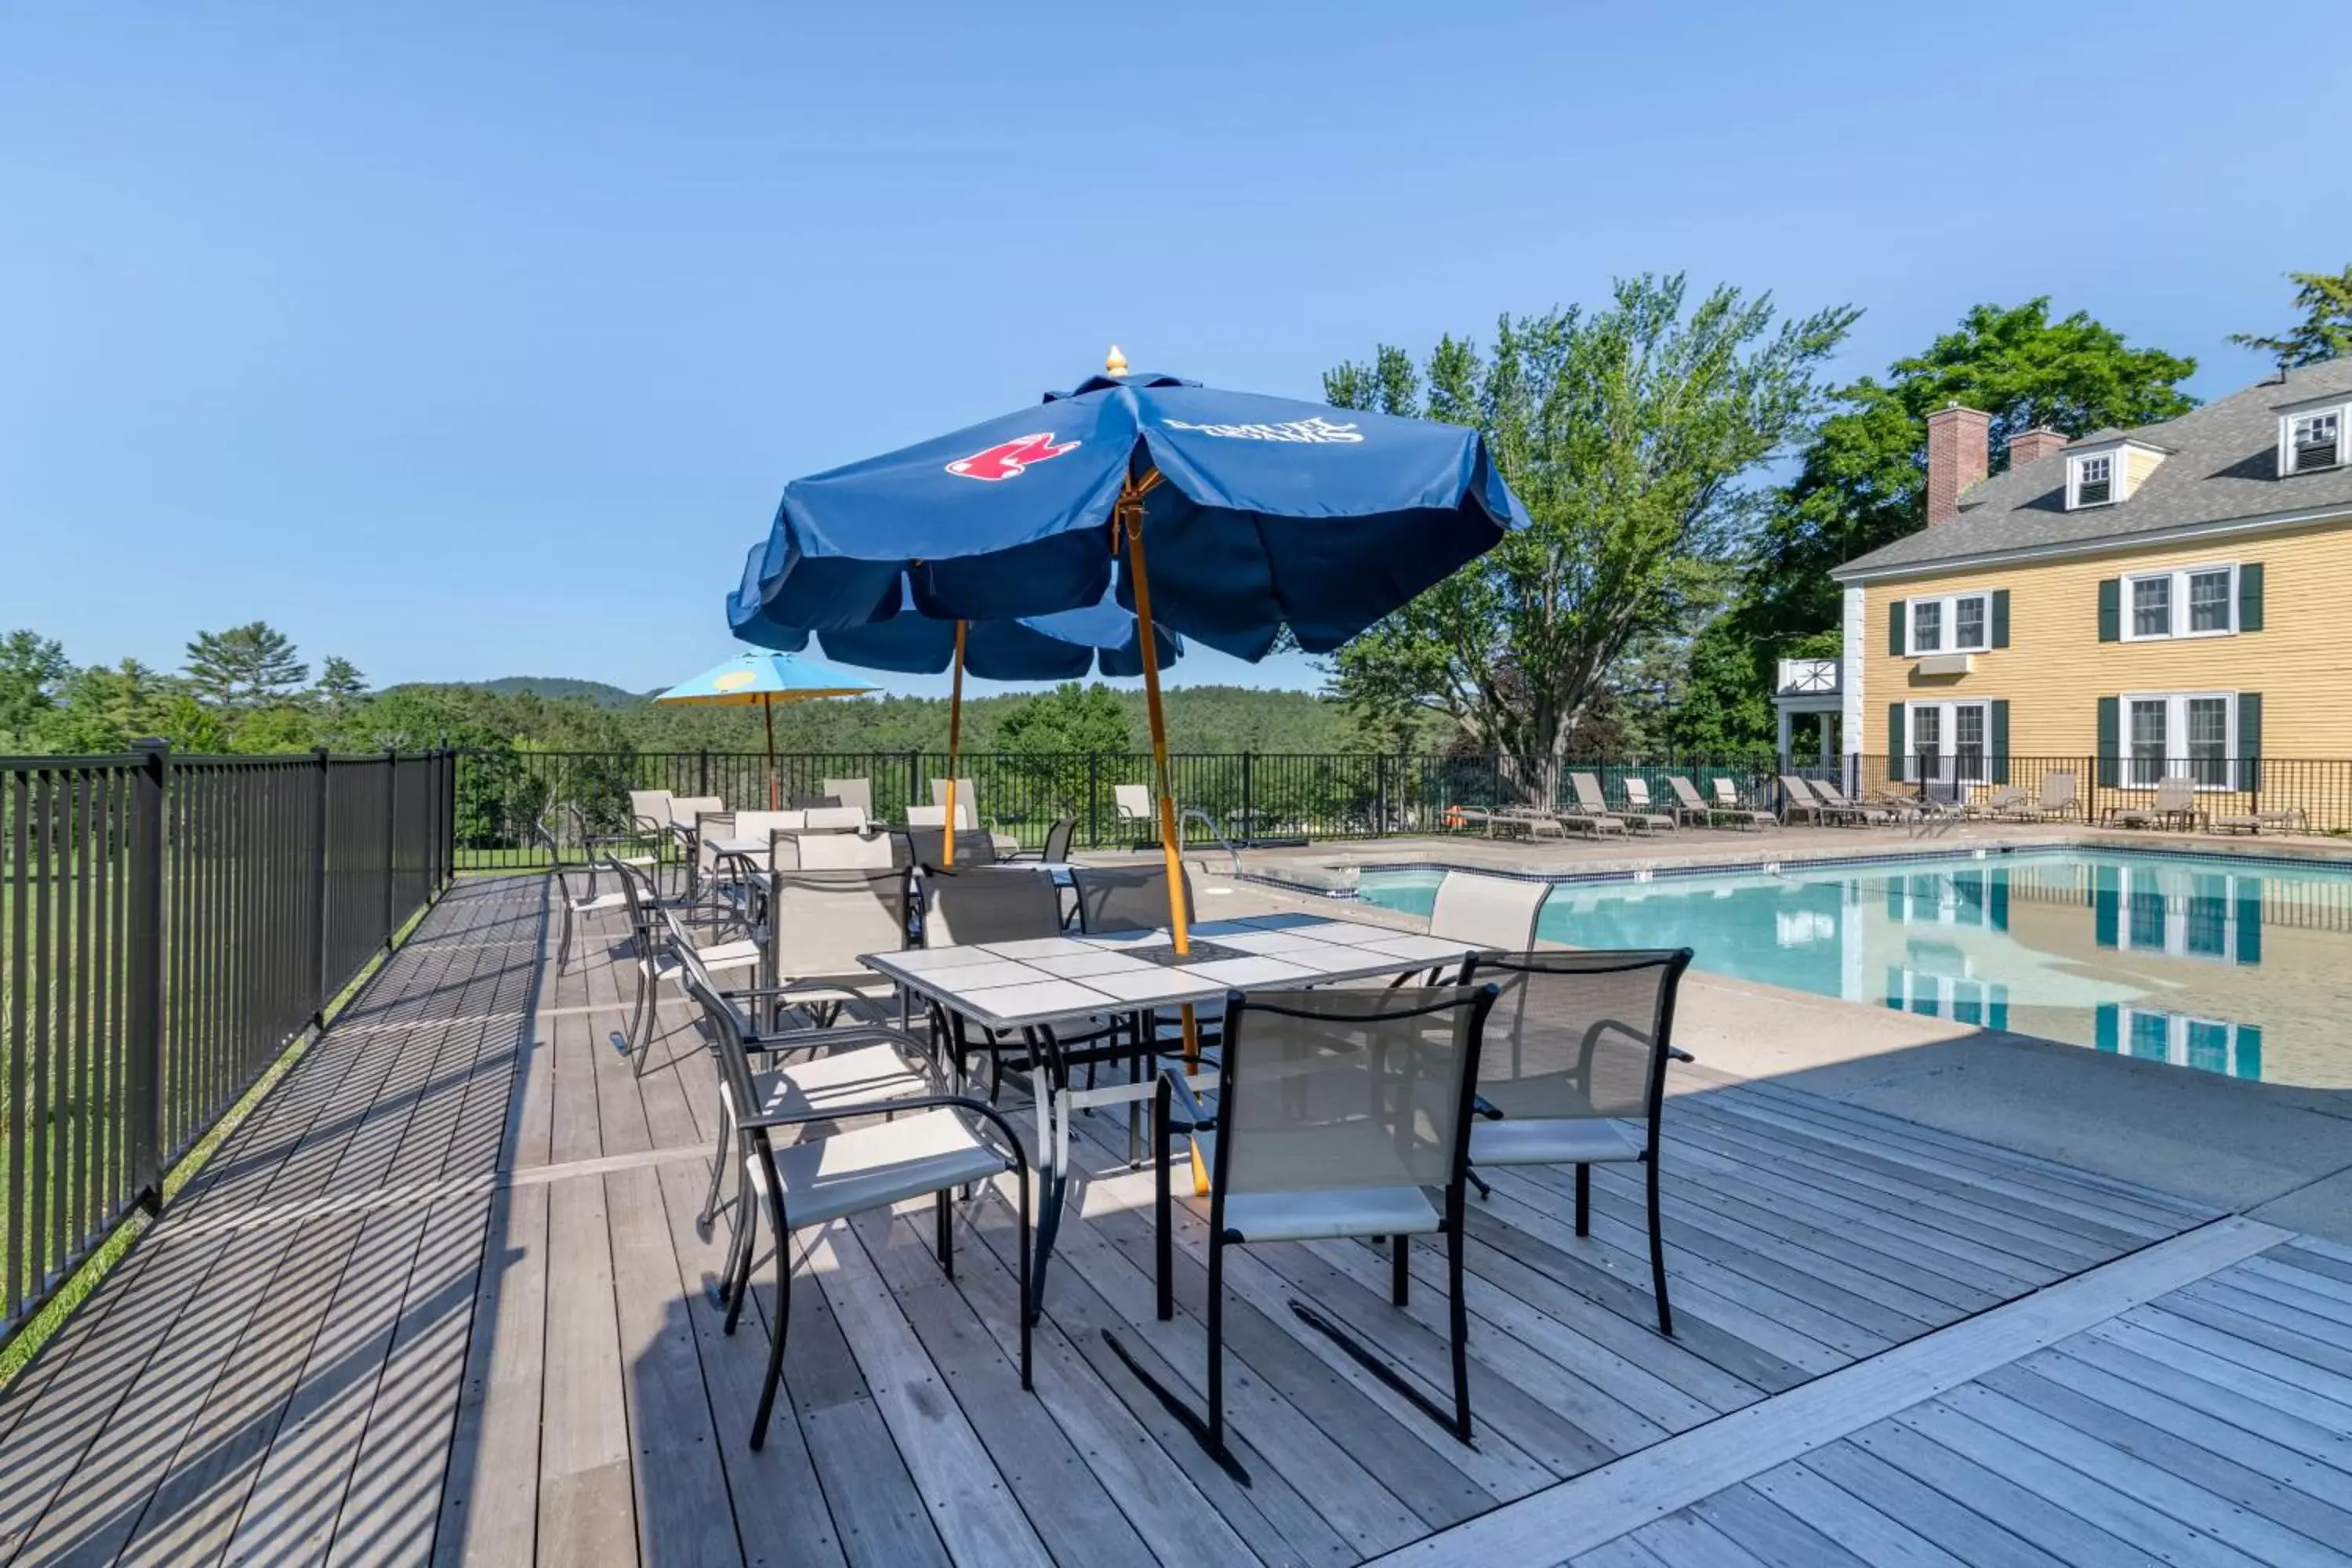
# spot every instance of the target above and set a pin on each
(1630, 434)
(340, 684)
(32, 670)
(1049, 737)
(1862, 481)
(249, 665)
(2325, 331)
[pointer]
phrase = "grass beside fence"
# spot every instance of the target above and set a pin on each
(42, 1328)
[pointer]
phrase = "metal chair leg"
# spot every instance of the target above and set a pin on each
(776, 1338)
(945, 1222)
(1658, 1252)
(1216, 1344)
(1458, 1328)
(1584, 1200)
(1400, 1270)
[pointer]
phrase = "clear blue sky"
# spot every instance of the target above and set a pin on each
(467, 340)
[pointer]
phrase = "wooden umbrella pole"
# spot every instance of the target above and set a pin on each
(955, 745)
(768, 713)
(1130, 522)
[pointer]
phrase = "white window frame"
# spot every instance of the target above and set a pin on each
(2075, 466)
(2176, 889)
(1947, 620)
(2175, 1032)
(2180, 618)
(2176, 761)
(2343, 413)
(1944, 993)
(1947, 736)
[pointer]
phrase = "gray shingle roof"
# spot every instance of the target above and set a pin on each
(2223, 468)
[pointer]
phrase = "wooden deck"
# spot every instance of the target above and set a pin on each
(441, 1299)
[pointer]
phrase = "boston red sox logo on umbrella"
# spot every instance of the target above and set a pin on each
(1008, 459)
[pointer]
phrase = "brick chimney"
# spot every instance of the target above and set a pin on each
(1959, 454)
(2031, 446)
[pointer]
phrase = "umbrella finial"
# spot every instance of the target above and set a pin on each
(1116, 365)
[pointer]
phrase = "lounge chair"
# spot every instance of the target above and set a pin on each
(1797, 799)
(1688, 801)
(2057, 799)
(858, 792)
(1461, 816)
(1591, 802)
(2176, 801)
(1872, 813)
(1637, 799)
(2004, 801)
(2253, 822)
(1559, 822)
(1728, 803)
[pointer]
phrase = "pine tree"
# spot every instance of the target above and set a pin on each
(249, 665)
(340, 683)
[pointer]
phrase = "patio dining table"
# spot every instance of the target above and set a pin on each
(1028, 986)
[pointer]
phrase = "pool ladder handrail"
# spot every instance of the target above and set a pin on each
(1194, 814)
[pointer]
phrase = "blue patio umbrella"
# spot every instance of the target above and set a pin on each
(766, 679)
(1261, 513)
(1101, 638)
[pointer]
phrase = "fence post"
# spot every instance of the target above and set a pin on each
(320, 839)
(144, 1032)
(391, 834)
(915, 778)
(1249, 796)
(702, 774)
(1093, 800)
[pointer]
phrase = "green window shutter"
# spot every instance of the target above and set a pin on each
(2110, 741)
(1997, 722)
(2001, 617)
(1895, 742)
(1896, 616)
(2250, 740)
(2111, 609)
(2250, 597)
(2250, 919)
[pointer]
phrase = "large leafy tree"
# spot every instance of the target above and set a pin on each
(1862, 482)
(251, 666)
(1630, 433)
(32, 670)
(2325, 331)
(1049, 736)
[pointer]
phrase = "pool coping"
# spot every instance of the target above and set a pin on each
(1765, 863)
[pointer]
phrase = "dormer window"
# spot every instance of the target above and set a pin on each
(2093, 481)
(2313, 440)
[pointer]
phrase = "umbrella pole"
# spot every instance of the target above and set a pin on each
(768, 713)
(1130, 513)
(955, 745)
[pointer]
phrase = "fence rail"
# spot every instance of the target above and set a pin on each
(1252, 796)
(168, 925)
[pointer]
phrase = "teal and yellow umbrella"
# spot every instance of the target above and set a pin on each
(765, 679)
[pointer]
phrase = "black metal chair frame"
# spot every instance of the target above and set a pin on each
(1663, 1050)
(754, 1144)
(1196, 1118)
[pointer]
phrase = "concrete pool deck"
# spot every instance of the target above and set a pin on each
(2276, 1153)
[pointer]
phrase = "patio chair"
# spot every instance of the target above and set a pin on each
(999, 903)
(1125, 897)
(858, 792)
(837, 851)
(657, 960)
(2176, 801)
(931, 1145)
(927, 840)
(821, 923)
(1579, 1045)
(1726, 807)
(578, 906)
(1336, 1111)
(2057, 799)
(862, 1063)
(1494, 912)
(1639, 800)
(595, 845)
(1056, 851)
(1640, 807)
(812, 802)
(1458, 817)
(1592, 804)
(1133, 807)
(2253, 822)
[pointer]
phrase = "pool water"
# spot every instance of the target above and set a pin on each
(2240, 967)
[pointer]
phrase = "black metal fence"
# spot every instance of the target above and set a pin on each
(1246, 797)
(2292, 793)
(168, 925)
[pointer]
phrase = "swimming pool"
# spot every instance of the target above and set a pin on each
(2232, 966)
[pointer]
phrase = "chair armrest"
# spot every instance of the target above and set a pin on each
(1196, 1117)
(1485, 1108)
(979, 1108)
(783, 1041)
(1675, 1053)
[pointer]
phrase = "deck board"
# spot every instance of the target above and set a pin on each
(443, 1297)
